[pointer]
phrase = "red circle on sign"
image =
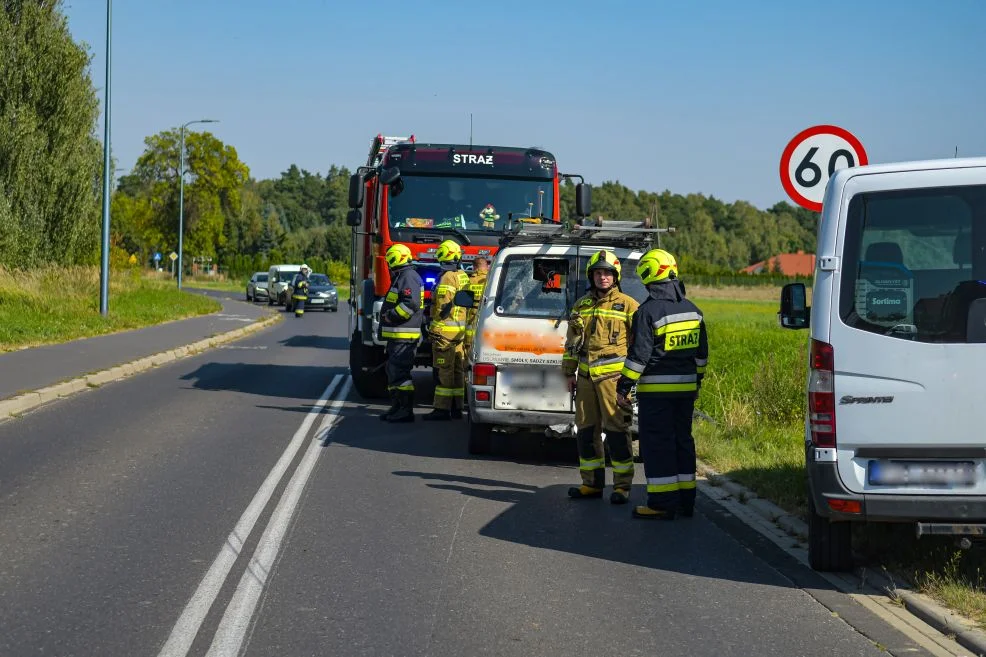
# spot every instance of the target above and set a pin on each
(785, 167)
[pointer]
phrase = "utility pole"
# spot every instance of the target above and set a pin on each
(104, 263)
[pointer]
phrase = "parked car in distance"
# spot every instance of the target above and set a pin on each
(322, 294)
(256, 288)
(279, 279)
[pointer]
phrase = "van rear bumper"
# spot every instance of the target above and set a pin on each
(824, 484)
(519, 418)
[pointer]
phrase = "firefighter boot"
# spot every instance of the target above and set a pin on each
(584, 492)
(439, 414)
(395, 399)
(648, 513)
(405, 413)
(619, 496)
(455, 413)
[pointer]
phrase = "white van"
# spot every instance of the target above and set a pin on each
(279, 277)
(515, 379)
(896, 417)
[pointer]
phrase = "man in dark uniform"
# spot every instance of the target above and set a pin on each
(400, 326)
(666, 361)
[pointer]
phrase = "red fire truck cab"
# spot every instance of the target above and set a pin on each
(420, 195)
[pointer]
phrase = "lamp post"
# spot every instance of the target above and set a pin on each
(181, 190)
(104, 271)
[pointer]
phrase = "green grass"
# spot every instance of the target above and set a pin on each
(754, 393)
(55, 305)
(212, 283)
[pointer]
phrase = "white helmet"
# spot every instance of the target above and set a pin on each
(305, 268)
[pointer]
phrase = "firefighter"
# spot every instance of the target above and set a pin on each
(447, 331)
(595, 348)
(299, 291)
(477, 283)
(667, 360)
(400, 326)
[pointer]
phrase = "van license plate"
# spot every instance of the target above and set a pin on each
(921, 473)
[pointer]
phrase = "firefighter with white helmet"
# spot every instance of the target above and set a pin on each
(400, 326)
(299, 290)
(667, 360)
(595, 348)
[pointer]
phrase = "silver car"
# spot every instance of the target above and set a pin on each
(256, 289)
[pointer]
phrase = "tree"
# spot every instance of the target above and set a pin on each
(213, 191)
(50, 161)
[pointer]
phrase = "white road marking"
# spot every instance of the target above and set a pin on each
(237, 620)
(184, 631)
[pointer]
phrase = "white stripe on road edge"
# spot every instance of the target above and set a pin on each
(198, 606)
(236, 621)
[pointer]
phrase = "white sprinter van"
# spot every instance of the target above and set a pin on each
(896, 426)
(515, 380)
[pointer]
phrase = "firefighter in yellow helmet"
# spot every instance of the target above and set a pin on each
(400, 320)
(667, 360)
(477, 283)
(447, 331)
(595, 348)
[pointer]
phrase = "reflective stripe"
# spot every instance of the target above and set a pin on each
(668, 378)
(622, 467)
(673, 479)
(568, 356)
(701, 362)
(398, 333)
(449, 392)
(686, 485)
(470, 333)
(667, 387)
(634, 366)
(678, 317)
(403, 385)
(402, 311)
(662, 488)
(700, 369)
(690, 325)
(607, 368)
(444, 289)
(298, 297)
(448, 324)
(391, 297)
(630, 374)
(591, 464)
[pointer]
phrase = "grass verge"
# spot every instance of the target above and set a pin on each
(60, 304)
(754, 393)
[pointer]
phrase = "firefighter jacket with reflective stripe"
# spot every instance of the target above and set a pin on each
(477, 283)
(598, 333)
(447, 319)
(299, 288)
(669, 347)
(401, 313)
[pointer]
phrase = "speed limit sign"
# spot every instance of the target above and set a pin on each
(810, 159)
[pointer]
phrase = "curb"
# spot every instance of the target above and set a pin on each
(948, 623)
(15, 406)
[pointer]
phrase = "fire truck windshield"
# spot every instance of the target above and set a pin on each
(467, 203)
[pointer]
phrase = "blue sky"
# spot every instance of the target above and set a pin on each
(685, 96)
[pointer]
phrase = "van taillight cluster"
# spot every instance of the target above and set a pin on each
(821, 395)
(483, 374)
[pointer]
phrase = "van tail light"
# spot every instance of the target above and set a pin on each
(821, 395)
(483, 374)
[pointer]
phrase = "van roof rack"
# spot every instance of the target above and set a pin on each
(629, 234)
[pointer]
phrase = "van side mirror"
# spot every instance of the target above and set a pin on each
(356, 191)
(354, 218)
(794, 312)
(464, 299)
(583, 200)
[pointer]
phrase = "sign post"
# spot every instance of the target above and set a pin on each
(812, 157)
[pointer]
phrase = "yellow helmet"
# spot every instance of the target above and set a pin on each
(449, 251)
(604, 260)
(398, 255)
(657, 265)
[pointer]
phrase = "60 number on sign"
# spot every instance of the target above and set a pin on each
(812, 157)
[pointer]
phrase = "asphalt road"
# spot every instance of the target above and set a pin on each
(31, 369)
(236, 503)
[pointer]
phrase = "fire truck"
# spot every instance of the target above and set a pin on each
(421, 194)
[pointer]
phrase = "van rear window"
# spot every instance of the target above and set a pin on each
(914, 263)
(521, 295)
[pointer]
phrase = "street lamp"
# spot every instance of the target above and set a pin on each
(181, 190)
